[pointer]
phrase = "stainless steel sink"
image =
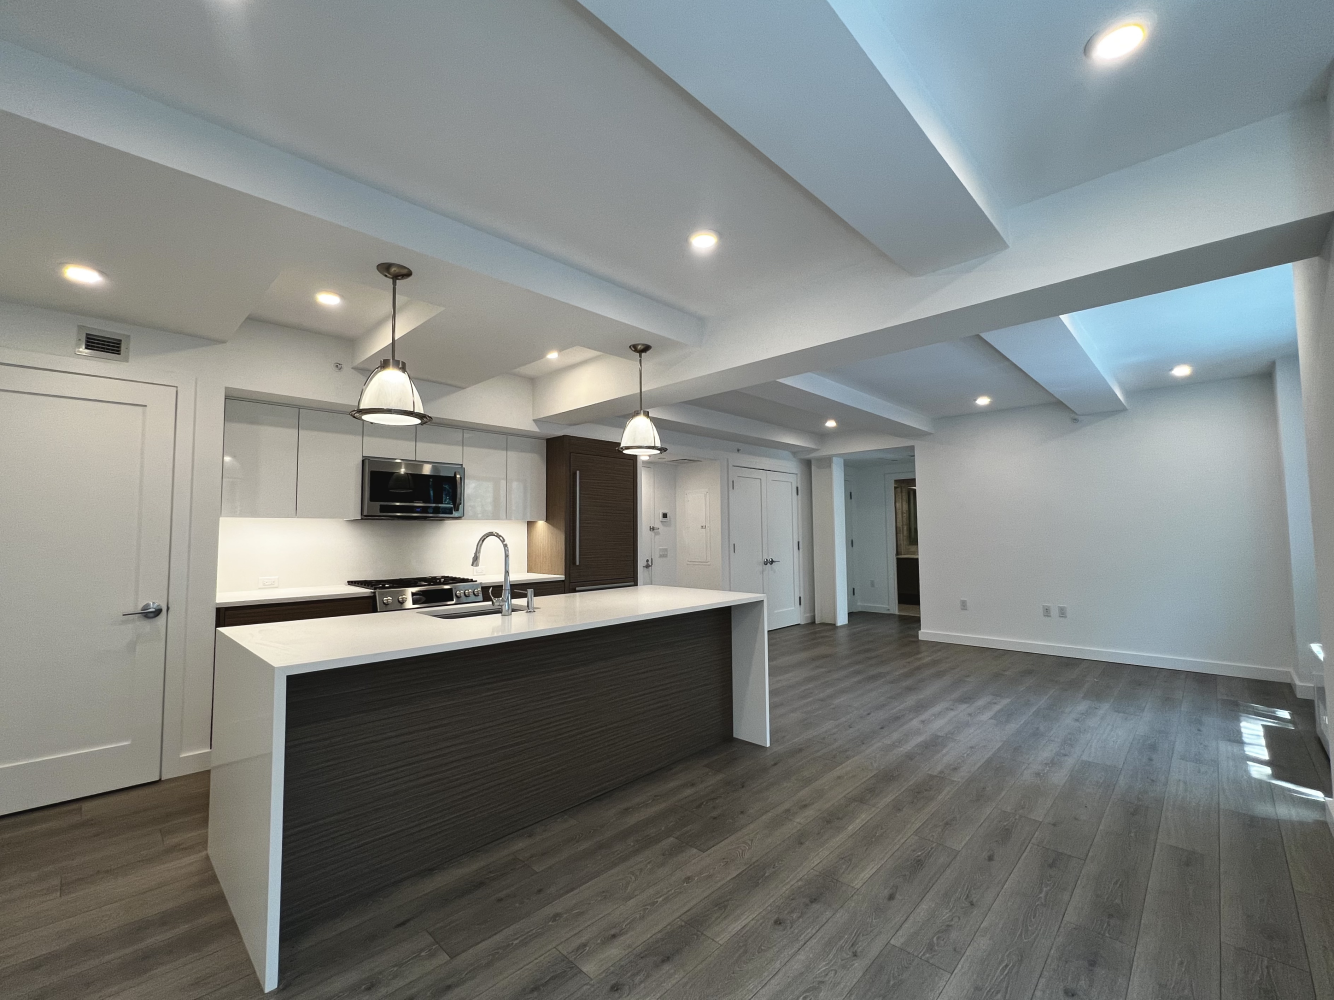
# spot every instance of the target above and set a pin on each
(466, 611)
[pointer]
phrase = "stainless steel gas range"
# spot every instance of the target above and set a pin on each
(407, 592)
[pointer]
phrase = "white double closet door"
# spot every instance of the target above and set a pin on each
(85, 497)
(763, 521)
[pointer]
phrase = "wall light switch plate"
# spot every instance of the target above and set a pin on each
(1061, 611)
(662, 553)
(268, 581)
(1046, 611)
(963, 605)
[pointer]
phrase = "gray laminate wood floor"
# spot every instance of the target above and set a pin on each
(932, 821)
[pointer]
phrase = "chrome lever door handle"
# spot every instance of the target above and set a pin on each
(150, 610)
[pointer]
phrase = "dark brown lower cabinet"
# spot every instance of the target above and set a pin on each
(291, 611)
(589, 536)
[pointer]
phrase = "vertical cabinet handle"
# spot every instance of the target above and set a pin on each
(576, 517)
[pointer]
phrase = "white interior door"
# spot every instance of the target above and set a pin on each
(86, 498)
(780, 548)
(746, 517)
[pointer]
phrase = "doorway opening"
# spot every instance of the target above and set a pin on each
(881, 523)
(906, 574)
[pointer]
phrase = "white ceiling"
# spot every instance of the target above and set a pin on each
(742, 404)
(1012, 80)
(537, 123)
(944, 380)
(290, 301)
(1223, 329)
(528, 120)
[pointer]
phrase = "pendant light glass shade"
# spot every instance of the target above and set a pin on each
(640, 437)
(388, 395)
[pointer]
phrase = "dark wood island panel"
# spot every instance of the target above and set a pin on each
(397, 767)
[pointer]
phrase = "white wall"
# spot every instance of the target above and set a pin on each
(829, 513)
(657, 496)
(1314, 286)
(871, 584)
(1301, 542)
(262, 361)
(1162, 528)
(312, 552)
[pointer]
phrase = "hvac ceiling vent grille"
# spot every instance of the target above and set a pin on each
(101, 344)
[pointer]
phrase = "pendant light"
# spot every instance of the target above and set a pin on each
(640, 436)
(389, 397)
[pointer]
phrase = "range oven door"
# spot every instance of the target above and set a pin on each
(392, 487)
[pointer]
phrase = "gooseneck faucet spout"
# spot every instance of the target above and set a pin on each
(505, 602)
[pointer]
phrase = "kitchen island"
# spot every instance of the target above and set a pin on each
(352, 753)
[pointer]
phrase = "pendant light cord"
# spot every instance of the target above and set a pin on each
(641, 382)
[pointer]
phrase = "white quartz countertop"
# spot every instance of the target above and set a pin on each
(283, 595)
(327, 643)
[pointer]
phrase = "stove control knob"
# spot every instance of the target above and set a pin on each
(387, 600)
(402, 598)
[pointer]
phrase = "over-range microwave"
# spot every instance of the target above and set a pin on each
(393, 487)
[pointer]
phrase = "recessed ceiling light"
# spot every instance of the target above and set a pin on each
(328, 298)
(1115, 43)
(831, 422)
(81, 275)
(704, 240)
(1181, 371)
(983, 401)
(552, 355)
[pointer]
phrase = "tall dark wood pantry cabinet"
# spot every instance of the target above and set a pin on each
(590, 531)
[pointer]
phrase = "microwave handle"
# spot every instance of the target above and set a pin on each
(458, 492)
(576, 517)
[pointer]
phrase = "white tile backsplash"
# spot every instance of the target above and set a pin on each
(313, 552)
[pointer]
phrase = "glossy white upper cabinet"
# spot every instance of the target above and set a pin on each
(438, 443)
(484, 476)
(259, 446)
(388, 440)
(328, 466)
(526, 478)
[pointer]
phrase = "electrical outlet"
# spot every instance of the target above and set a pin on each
(268, 581)
(963, 604)
(1046, 611)
(1061, 611)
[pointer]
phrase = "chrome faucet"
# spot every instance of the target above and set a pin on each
(505, 602)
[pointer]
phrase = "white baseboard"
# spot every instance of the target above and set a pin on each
(875, 609)
(1222, 668)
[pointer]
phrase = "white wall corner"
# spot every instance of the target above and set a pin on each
(829, 516)
(1301, 539)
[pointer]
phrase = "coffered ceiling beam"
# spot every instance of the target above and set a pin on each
(711, 423)
(818, 394)
(809, 89)
(49, 92)
(1252, 198)
(1055, 356)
